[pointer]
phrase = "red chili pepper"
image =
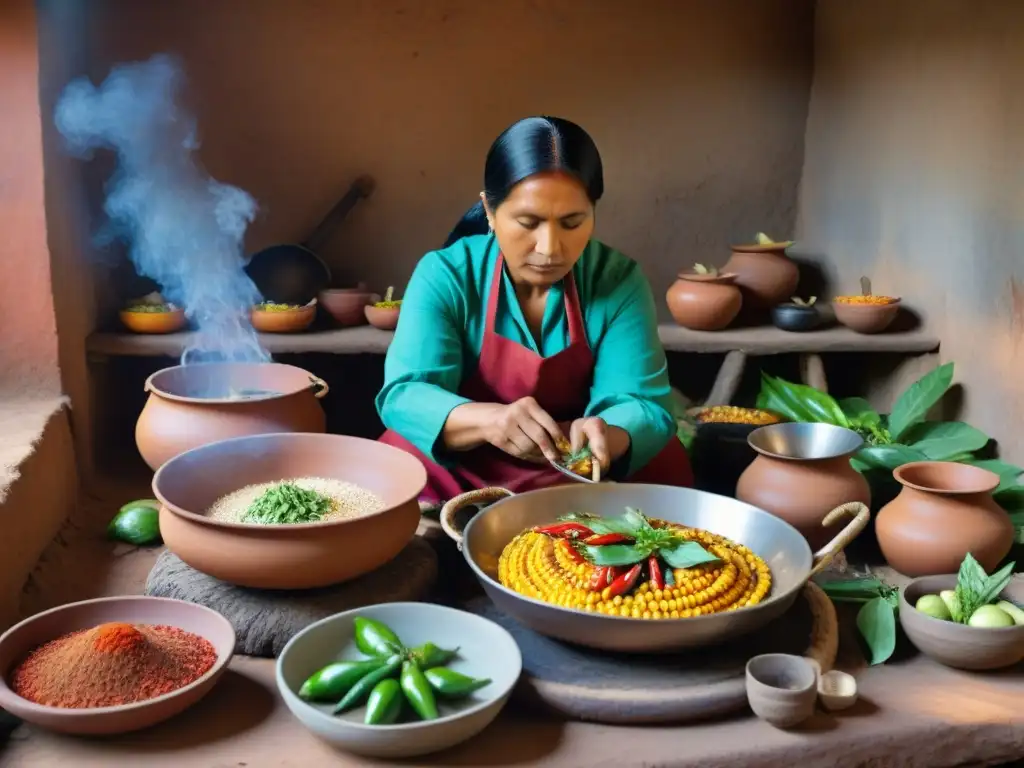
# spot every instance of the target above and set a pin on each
(564, 530)
(654, 571)
(572, 552)
(603, 576)
(623, 583)
(599, 540)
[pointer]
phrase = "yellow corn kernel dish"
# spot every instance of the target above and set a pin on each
(542, 567)
(731, 414)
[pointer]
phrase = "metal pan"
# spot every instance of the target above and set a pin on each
(293, 273)
(780, 544)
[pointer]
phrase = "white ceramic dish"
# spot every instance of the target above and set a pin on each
(837, 690)
(486, 650)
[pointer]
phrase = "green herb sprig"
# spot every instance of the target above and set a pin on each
(668, 544)
(876, 619)
(975, 588)
(287, 504)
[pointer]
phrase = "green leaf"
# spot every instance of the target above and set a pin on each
(1011, 499)
(635, 519)
(885, 457)
(913, 405)
(996, 583)
(941, 440)
(771, 398)
(686, 555)
(809, 403)
(599, 524)
(876, 621)
(1008, 473)
(615, 554)
(859, 412)
(866, 587)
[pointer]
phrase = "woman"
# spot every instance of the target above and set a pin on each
(524, 331)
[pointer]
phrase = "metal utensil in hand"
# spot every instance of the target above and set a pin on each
(595, 478)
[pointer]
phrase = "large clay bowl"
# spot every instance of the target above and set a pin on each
(486, 650)
(866, 318)
(288, 556)
(191, 405)
(345, 305)
(958, 645)
(154, 322)
(290, 320)
(18, 641)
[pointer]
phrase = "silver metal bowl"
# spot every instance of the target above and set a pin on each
(804, 441)
(780, 544)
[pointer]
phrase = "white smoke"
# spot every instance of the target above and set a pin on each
(183, 229)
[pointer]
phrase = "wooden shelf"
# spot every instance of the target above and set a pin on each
(766, 340)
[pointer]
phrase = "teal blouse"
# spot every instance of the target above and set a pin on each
(441, 330)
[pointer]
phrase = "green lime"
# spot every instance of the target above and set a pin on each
(138, 522)
(934, 606)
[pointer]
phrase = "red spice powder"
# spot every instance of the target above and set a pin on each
(111, 665)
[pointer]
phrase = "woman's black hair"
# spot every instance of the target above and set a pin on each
(529, 146)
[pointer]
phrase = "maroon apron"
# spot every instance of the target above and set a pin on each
(507, 371)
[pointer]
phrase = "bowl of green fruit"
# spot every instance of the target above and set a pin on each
(969, 620)
(398, 679)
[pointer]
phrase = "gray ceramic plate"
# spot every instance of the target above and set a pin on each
(486, 650)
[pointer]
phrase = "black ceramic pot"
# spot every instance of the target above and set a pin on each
(719, 454)
(796, 318)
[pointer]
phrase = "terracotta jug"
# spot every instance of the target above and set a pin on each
(192, 405)
(765, 273)
(943, 511)
(704, 302)
(801, 473)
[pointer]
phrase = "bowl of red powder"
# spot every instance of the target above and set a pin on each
(112, 665)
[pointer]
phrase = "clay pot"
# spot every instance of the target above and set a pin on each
(385, 318)
(944, 511)
(154, 322)
(345, 305)
(288, 556)
(191, 405)
(704, 302)
(764, 273)
(866, 318)
(802, 472)
(285, 321)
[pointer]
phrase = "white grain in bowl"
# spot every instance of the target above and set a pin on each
(350, 501)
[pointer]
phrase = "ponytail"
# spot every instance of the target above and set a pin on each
(473, 222)
(529, 146)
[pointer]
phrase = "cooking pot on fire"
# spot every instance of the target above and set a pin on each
(192, 405)
(781, 545)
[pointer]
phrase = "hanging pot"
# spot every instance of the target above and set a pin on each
(192, 405)
(944, 511)
(765, 274)
(802, 472)
(704, 302)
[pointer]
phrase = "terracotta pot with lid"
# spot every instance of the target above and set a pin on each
(704, 300)
(801, 473)
(192, 405)
(764, 272)
(944, 510)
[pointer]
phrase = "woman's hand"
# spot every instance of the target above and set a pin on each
(525, 430)
(606, 443)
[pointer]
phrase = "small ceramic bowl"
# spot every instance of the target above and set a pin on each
(866, 318)
(781, 688)
(795, 318)
(18, 641)
(837, 690)
(285, 321)
(485, 650)
(345, 305)
(385, 318)
(154, 322)
(958, 645)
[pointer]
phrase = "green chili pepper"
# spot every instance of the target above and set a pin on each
(450, 684)
(359, 692)
(418, 691)
(385, 703)
(375, 638)
(334, 681)
(429, 655)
